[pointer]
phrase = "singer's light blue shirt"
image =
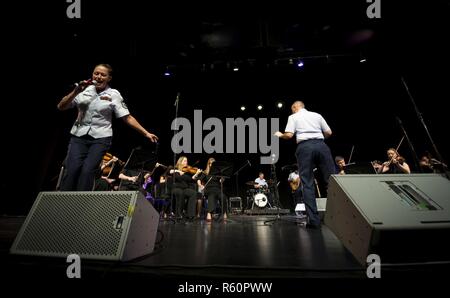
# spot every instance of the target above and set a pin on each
(95, 111)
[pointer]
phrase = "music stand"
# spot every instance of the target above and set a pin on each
(360, 168)
(221, 170)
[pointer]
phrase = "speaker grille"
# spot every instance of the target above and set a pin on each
(84, 222)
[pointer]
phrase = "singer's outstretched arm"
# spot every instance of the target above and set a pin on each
(65, 102)
(132, 122)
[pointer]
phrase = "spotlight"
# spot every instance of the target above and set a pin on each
(300, 63)
(235, 68)
(243, 108)
(362, 60)
(279, 104)
(259, 107)
(167, 73)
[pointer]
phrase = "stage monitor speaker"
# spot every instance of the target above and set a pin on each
(103, 225)
(402, 218)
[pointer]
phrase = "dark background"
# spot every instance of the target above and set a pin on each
(44, 52)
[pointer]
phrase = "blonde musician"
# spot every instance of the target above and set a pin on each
(396, 164)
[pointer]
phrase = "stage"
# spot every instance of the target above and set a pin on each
(244, 248)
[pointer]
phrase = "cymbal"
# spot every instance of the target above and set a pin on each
(250, 183)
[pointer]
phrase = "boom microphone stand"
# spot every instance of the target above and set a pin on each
(419, 116)
(275, 190)
(247, 163)
(175, 131)
(416, 159)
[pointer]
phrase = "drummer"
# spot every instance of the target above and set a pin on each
(260, 182)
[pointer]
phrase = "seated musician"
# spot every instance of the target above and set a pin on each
(340, 165)
(260, 182)
(129, 179)
(294, 183)
(106, 179)
(428, 164)
(212, 190)
(396, 164)
(184, 188)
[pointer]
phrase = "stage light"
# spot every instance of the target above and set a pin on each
(362, 60)
(167, 73)
(300, 63)
(279, 104)
(235, 68)
(243, 108)
(259, 107)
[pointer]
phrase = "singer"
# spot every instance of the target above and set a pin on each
(92, 131)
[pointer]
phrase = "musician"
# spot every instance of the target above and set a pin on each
(396, 164)
(105, 181)
(129, 179)
(294, 183)
(426, 166)
(163, 191)
(184, 188)
(212, 190)
(340, 164)
(260, 182)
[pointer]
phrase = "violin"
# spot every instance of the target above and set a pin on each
(399, 159)
(190, 170)
(108, 163)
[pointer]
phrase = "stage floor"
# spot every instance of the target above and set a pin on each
(242, 248)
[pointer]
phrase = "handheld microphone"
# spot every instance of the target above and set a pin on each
(86, 83)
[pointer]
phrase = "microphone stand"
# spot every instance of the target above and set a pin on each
(237, 177)
(125, 166)
(419, 116)
(176, 104)
(416, 159)
(276, 200)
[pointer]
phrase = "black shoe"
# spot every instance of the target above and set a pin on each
(312, 226)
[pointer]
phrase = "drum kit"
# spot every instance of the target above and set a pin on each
(258, 196)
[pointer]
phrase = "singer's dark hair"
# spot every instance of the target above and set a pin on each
(107, 66)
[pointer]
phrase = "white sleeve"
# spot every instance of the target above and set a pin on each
(290, 126)
(120, 108)
(324, 125)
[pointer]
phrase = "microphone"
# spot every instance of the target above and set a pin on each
(177, 99)
(86, 83)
